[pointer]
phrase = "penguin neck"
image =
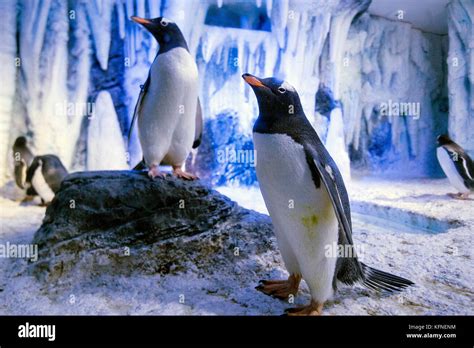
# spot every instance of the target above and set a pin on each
(176, 41)
(296, 126)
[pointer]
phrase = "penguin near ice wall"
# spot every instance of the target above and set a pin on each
(22, 158)
(457, 165)
(45, 175)
(307, 201)
(168, 114)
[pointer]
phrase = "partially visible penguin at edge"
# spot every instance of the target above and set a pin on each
(39, 175)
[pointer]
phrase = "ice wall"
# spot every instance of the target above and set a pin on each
(9, 65)
(461, 73)
(390, 67)
(293, 51)
(74, 50)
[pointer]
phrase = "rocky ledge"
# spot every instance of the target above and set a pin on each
(124, 223)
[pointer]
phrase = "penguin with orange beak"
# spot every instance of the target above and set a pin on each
(307, 201)
(167, 112)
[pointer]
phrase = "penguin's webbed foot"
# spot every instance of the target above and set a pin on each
(314, 308)
(280, 288)
(154, 172)
(179, 173)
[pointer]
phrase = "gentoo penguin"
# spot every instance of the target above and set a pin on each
(457, 165)
(45, 176)
(167, 110)
(22, 158)
(307, 201)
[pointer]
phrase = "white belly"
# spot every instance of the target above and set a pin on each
(302, 215)
(40, 185)
(450, 170)
(166, 122)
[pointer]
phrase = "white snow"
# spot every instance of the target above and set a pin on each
(439, 263)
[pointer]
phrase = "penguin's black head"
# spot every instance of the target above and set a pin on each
(166, 32)
(443, 140)
(276, 98)
(20, 142)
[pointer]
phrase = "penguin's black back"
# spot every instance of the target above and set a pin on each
(53, 170)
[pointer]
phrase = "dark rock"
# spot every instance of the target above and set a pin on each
(122, 222)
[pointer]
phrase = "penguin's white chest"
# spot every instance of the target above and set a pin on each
(450, 170)
(41, 186)
(166, 121)
(302, 214)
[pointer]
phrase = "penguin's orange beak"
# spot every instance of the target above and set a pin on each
(252, 80)
(139, 20)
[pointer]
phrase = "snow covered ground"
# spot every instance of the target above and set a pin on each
(440, 262)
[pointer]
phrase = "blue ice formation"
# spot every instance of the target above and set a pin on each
(56, 67)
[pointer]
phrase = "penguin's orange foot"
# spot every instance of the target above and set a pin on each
(314, 308)
(179, 173)
(154, 172)
(280, 288)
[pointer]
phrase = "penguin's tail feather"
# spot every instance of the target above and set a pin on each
(382, 281)
(140, 165)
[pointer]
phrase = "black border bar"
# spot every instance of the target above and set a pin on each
(140, 330)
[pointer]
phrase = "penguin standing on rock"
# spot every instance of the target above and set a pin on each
(167, 111)
(307, 201)
(457, 165)
(45, 175)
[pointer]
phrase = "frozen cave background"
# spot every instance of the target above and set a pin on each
(72, 70)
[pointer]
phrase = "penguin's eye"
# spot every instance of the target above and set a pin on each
(164, 22)
(281, 90)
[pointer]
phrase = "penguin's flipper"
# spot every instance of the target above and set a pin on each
(32, 169)
(199, 125)
(463, 163)
(349, 269)
(143, 91)
(330, 176)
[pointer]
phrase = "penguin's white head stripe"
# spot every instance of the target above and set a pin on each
(285, 86)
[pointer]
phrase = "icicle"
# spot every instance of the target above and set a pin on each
(140, 9)
(121, 19)
(129, 8)
(335, 144)
(104, 128)
(154, 8)
(100, 26)
(99, 4)
(279, 20)
(269, 8)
